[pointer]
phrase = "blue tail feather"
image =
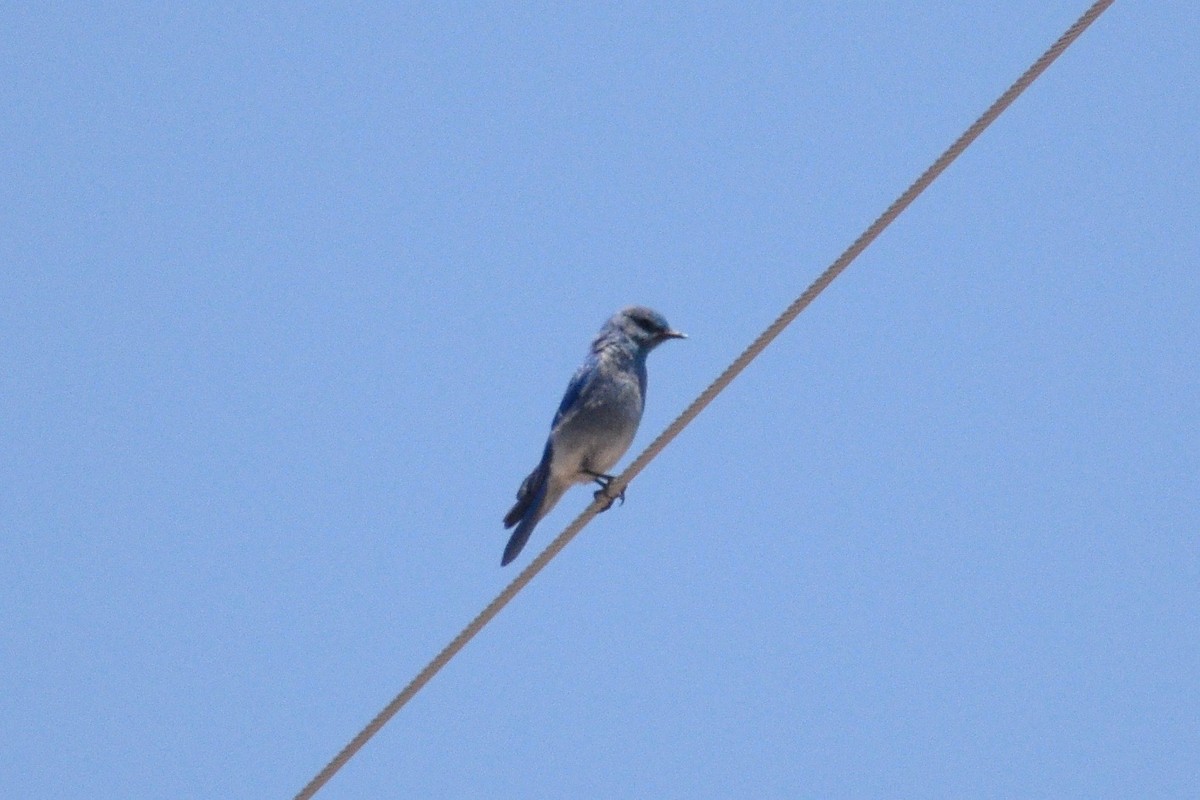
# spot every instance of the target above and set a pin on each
(527, 510)
(528, 521)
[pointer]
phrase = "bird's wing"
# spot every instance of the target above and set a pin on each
(579, 382)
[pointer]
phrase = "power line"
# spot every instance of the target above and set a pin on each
(619, 483)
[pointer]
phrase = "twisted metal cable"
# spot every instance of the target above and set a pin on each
(619, 483)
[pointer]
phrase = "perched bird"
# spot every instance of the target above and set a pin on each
(596, 420)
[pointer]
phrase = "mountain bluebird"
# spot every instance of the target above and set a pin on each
(596, 420)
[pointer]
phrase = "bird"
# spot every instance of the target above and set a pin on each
(595, 422)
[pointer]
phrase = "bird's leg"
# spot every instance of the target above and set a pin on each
(604, 480)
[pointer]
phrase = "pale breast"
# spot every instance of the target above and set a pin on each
(599, 431)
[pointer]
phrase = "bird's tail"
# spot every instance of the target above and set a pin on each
(535, 498)
(519, 537)
(532, 489)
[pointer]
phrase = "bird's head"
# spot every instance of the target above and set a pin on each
(644, 327)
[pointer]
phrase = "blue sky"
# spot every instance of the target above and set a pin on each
(291, 296)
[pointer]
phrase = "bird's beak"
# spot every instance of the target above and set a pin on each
(674, 335)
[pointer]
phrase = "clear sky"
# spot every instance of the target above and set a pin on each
(290, 295)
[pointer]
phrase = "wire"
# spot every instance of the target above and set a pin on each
(619, 483)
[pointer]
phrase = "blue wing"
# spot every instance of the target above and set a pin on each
(527, 511)
(579, 382)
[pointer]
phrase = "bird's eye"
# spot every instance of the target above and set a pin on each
(648, 325)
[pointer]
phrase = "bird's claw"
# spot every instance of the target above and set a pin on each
(602, 492)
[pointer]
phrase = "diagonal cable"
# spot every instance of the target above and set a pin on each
(619, 483)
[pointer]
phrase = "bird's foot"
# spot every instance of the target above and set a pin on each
(603, 493)
(604, 480)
